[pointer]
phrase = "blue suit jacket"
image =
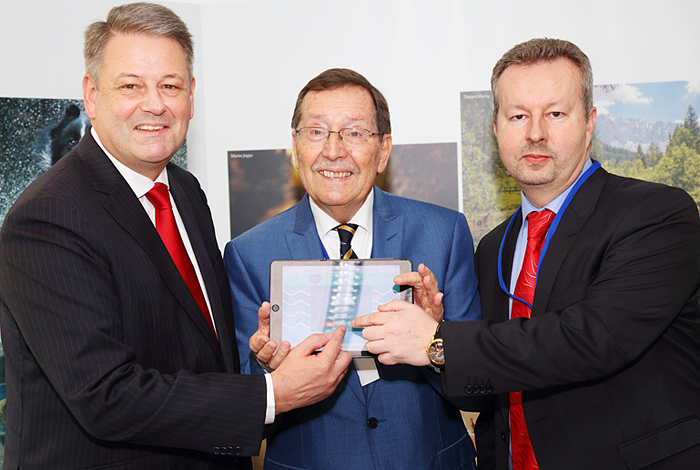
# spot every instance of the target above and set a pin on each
(417, 427)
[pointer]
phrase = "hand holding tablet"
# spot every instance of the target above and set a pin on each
(310, 297)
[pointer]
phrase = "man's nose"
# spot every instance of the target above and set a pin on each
(153, 102)
(536, 131)
(335, 146)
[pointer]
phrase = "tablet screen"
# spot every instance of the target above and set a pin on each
(318, 296)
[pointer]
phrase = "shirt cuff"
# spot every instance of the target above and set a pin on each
(270, 412)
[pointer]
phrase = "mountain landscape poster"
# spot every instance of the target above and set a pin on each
(648, 131)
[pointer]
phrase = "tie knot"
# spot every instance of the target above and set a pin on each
(345, 233)
(538, 223)
(159, 196)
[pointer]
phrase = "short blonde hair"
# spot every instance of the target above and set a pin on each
(545, 50)
(135, 18)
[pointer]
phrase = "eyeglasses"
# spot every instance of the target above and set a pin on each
(353, 136)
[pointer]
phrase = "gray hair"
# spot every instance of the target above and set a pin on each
(545, 50)
(135, 18)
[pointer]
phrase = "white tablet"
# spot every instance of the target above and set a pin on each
(318, 296)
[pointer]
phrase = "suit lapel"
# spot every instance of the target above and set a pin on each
(193, 226)
(577, 214)
(501, 302)
(303, 241)
(121, 202)
(124, 207)
(388, 228)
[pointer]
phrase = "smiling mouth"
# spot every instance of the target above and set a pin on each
(335, 174)
(149, 128)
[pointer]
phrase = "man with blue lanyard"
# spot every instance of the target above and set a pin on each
(380, 417)
(590, 344)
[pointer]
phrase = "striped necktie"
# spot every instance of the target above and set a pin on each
(346, 232)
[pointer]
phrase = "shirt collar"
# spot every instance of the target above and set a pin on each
(139, 183)
(363, 217)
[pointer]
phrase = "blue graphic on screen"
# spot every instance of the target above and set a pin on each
(320, 299)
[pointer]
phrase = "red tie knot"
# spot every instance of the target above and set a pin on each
(538, 223)
(159, 196)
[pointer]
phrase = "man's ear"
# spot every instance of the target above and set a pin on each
(89, 90)
(192, 83)
(590, 124)
(384, 153)
(295, 162)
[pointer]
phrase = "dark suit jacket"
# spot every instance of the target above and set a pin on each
(110, 362)
(399, 421)
(610, 360)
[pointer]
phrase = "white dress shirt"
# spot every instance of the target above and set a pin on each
(362, 240)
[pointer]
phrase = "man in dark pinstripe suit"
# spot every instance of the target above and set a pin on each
(111, 363)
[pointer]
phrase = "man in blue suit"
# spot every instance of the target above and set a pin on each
(386, 417)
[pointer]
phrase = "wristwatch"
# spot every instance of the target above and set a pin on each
(436, 354)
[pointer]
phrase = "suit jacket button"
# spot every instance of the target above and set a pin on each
(373, 423)
(503, 436)
(237, 450)
(468, 389)
(216, 450)
(482, 388)
(489, 389)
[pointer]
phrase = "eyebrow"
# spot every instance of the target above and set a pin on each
(323, 116)
(523, 107)
(165, 77)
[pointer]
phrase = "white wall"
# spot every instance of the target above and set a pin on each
(254, 56)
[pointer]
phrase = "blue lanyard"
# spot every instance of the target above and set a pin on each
(548, 237)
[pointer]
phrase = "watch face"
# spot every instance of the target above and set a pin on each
(435, 353)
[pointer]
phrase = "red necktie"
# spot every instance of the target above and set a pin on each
(538, 223)
(167, 229)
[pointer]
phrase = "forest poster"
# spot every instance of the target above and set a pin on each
(647, 131)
